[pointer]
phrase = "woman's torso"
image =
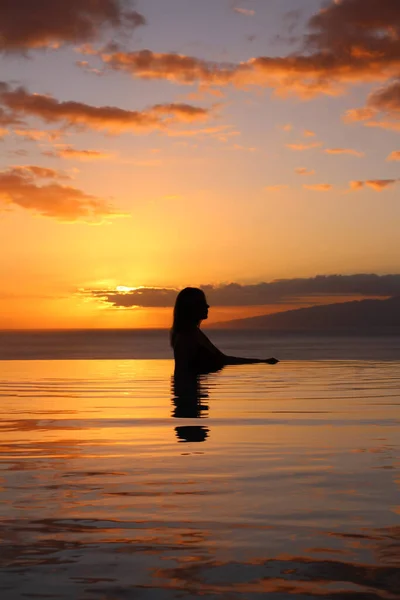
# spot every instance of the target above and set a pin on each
(192, 353)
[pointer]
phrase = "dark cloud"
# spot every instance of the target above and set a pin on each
(357, 28)
(276, 292)
(178, 68)
(6, 117)
(85, 116)
(346, 42)
(29, 24)
(387, 99)
(185, 112)
(382, 108)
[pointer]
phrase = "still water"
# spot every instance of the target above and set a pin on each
(264, 482)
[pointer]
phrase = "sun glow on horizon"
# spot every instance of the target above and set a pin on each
(123, 288)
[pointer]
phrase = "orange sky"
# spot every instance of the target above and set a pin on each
(199, 149)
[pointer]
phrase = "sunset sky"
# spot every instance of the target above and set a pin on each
(163, 143)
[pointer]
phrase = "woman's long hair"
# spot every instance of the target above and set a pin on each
(186, 311)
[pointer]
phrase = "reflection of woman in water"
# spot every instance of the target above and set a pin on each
(193, 351)
(189, 393)
(189, 396)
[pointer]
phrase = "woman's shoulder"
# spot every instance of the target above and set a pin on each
(185, 338)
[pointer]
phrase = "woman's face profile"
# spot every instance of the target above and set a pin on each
(203, 308)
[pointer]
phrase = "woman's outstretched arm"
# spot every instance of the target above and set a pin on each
(237, 360)
(233, 360)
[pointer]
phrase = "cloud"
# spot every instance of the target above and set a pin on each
(185, 112)
(7, 118)
(301, 147)
(344, 151)
(71, 153)
(387, 99)
(40, 172)
(376, 184)
(356, 185)
(86, 116)
(384, 124)
(126, 297)
(382, 108)
(395, 155)
(304, 171)
(83, 64)
(308, 133)
(53, 24)
(275, 292)
(22, 187)
(76, 113)
(358, 114)
(38, 135)
(247, 12)
(319, 187)
(346, 42)
(177, 68)
(381, 184)
(275, 188)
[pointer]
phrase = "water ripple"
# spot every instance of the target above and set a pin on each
(258, 482)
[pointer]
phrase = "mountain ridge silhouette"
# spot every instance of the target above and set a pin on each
(355, 316)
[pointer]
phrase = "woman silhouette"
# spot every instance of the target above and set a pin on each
(193, 351)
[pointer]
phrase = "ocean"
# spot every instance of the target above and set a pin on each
(154, 344)
(256, 482)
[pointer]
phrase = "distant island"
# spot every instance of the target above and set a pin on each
(359, 316)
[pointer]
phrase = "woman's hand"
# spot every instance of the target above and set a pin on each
(271, 361)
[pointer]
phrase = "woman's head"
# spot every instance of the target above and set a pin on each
(190, 309)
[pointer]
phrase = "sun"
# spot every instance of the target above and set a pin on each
(124, 289)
